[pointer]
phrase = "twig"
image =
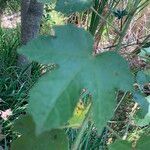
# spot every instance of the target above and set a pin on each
(129, 122)
(120, 101)
(128, 44)
(114, 133)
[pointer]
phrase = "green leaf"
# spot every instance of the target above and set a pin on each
(143, 77)
(54, 140)
(120, 145)
(143, 143)
(68, 43)
(71, 6)
(142, 101)
(55, 95)
(145, 53)
(146, 119)
(79, 116)
(146, 45)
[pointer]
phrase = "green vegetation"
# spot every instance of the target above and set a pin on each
(89, 83)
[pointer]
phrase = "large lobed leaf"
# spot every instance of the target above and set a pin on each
(53, 140)
(54, 96)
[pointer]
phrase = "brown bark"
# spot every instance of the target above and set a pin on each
(31, 14)
(1, 13)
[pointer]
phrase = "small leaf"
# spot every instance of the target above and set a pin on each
(143, 121)
(120, 13)
(71, 6)
(120, 145)
(144, 53)
(143, 77)
(79, 115)
(54, 140)
(142, 101)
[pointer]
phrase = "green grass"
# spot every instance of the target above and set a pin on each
(10, 6)
(12, 90)
(15, 82)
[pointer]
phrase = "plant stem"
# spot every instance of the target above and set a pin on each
(120, 101)
(114, 133)
(81, 132)
(126, 26)
(116, 30)
(80, 135)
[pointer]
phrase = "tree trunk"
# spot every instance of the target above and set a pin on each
(31, 14)
(2, 8)
(1, 13)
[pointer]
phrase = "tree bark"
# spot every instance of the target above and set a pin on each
(1, 13)
(31, 14)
